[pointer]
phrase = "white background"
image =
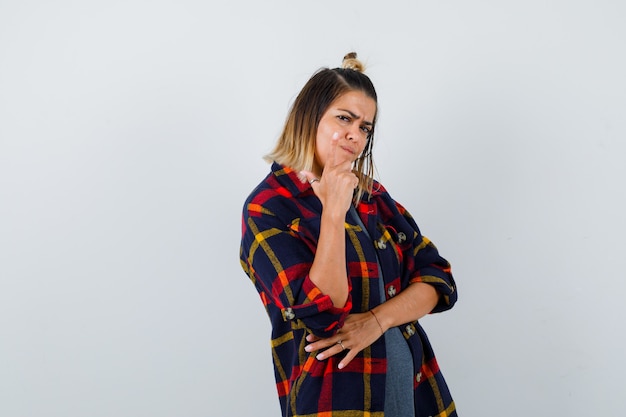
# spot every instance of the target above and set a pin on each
(131, 132)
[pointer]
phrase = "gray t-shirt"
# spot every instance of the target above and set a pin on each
(399, 400)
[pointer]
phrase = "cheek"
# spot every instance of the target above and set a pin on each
(323, 129)
(320, 149)
(322, 141)
(364, 145)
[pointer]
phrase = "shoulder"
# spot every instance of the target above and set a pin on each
(378, 189)
(277, 196)
(266, 197)
(380, 196)
(386, 204)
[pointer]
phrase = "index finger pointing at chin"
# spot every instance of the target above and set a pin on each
(334, 144)
(338, 158)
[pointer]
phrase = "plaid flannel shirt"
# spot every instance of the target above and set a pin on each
(280, 230)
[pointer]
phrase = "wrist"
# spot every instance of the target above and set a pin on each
(382, 330)
(334, 216)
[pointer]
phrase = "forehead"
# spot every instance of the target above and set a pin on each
(358, 103)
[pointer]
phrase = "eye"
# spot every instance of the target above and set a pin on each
(343, 118)
(366, 129)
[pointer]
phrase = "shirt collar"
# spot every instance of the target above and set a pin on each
(289, 179)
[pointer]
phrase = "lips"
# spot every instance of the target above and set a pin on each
(347, 149)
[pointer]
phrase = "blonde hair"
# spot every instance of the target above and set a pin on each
(295, 147)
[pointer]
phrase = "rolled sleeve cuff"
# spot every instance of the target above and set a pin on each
(443, 283)
(316, 311)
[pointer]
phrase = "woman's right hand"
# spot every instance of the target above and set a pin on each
(335, 188)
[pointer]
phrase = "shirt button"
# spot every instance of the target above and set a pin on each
(391, 291)
(380, 244)
(289, 314)
(401, 237)
(418, 377)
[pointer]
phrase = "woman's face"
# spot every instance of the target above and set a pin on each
(350, 119)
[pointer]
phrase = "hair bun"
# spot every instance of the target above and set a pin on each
(350, 61)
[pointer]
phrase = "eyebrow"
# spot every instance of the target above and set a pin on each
(356, 116)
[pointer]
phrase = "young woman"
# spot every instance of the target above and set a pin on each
(342, 269)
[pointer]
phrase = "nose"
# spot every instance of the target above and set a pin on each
(354, 132)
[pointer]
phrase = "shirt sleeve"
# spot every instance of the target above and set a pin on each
(277, 255)
(428, 266)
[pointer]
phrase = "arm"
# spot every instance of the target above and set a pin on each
(362, 329)
(328, 271)
(416, 301)
(304, 278)
(277, 253)
(334, 189)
